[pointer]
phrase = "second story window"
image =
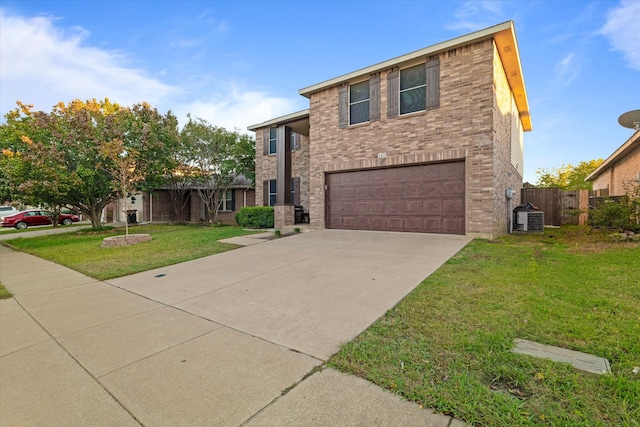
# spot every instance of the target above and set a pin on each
(413, 89)
(273, 140)
(359, 102)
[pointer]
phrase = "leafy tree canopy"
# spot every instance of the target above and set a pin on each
(568, 177)
(60, 158)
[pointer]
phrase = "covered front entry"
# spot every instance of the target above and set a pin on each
(426, 198)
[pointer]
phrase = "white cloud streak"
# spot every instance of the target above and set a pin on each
(474, 15)
(567, 69)
(236, 109)
(622, 31)
(43, 64)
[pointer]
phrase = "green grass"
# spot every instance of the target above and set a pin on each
(4, 293)
(81, 251)
(447, 344)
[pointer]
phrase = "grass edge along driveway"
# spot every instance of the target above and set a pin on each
(170, 244)
(447, 344)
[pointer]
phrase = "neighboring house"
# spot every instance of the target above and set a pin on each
(425, 142)
(621, 169)
(156, 206)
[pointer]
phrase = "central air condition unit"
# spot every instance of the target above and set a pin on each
(531, 221)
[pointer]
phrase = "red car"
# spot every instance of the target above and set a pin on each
(24, 219)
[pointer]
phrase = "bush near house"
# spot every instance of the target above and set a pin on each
(621, 213)
(255, 217)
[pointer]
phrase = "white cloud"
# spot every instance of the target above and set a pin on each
(622, 31)
(474, 15)
(42, 64)
(237, 110)
(567, 69)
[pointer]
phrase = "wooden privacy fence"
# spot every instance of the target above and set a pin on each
(561, 206)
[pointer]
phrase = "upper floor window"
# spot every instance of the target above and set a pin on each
(359, 102)
(413, 89)
(273, 140)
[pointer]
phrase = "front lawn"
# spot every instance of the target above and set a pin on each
(447, 344)
(170, 244)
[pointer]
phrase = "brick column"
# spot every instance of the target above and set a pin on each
(284, 213)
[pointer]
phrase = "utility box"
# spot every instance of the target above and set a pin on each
(530, 221)
(528, 218)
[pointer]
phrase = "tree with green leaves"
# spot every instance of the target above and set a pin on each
(217, 157)
(568, 177)
(59, 158)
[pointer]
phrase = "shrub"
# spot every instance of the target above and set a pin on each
(255, 217)
(622, 214)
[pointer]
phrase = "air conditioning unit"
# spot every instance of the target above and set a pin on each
(530, 221)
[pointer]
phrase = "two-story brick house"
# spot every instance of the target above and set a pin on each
(425, 142)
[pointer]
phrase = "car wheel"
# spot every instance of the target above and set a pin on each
(67, 221)
(21, 225)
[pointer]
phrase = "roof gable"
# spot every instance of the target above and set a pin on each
(625, 148)
(505, 39)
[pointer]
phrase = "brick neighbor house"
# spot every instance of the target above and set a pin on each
(621, 169)
(157, 207)
(425, 142)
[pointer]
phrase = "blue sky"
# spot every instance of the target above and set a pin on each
(237, 63)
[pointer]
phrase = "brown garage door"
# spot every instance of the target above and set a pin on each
(425, 198)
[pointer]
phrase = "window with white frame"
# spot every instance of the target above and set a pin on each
(413, 89)
(359, 99)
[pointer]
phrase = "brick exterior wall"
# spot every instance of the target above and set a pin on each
(508, 153)
(476, 121)
(620, 173)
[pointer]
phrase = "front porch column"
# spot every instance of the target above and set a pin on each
(284, 212)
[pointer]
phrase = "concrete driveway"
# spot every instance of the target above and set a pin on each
(214, 341)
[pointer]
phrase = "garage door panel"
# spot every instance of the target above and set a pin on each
(426, 198)
(432, 189)
(363, 208)
(453, 188)
(364, 193)
(413, 189)
(379, 191)
(394, 189)
(414, 207)
(378, 207)
(452, 206)
(392, 174)
(379, 223)
(395, 207)
(347, 192)
(433, 207)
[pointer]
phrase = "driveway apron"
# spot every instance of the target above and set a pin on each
(231, 339)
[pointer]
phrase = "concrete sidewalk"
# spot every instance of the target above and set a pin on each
(238, 338)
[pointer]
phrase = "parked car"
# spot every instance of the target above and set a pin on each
(24, 219)
(7, 210)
